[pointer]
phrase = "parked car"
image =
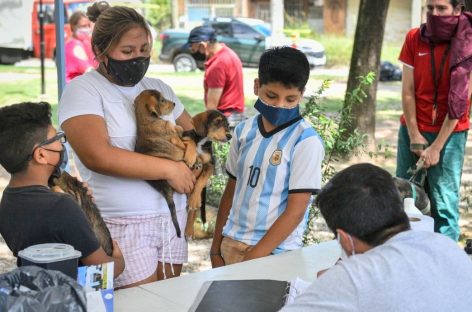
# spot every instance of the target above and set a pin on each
(245, 36)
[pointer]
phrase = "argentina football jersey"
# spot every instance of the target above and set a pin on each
(267, 167)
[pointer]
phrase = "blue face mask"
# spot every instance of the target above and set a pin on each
(277, 116)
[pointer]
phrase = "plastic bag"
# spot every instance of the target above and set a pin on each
(390, 72)
(31, 288)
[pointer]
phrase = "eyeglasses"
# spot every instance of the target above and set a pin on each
(60, 136)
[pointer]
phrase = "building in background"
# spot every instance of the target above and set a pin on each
(323, 16)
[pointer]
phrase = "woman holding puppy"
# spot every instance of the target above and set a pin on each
(96, 112)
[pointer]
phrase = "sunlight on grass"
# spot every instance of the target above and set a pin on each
(19, 84)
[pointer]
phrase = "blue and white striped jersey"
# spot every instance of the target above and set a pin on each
(267, 168)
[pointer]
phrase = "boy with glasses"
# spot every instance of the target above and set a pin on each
(32, 151)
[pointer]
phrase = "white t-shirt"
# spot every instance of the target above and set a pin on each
(413, 271)
(268, 167)
(93, 94)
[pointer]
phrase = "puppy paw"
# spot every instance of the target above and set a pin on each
(190, 161)
(189, 237)
(190, 154)
(194, 201)
(198, 165)
(179, 130)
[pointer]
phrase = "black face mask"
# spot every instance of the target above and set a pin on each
(61, 164)
(128, 72)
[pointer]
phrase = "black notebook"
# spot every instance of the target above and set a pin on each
(241, 295)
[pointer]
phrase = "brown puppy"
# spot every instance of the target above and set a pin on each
(70, 185)
(209, 126)
(160, 138)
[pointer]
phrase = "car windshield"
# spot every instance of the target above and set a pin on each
(263, 29)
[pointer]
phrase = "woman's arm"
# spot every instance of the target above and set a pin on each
(88, 137)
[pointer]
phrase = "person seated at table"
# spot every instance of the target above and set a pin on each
(32, 151)
(274, 166)
(387, 266)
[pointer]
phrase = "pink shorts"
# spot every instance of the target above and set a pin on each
(145, 241)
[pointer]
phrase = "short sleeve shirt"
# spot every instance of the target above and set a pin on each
(93, 94)
(224, 70)
(416, 54)
(267, 168)
(35, 215)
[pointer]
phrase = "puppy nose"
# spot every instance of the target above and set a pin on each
(228, 136)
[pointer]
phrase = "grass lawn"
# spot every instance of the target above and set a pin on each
(19, 84)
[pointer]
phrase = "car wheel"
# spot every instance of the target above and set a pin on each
(184, 63)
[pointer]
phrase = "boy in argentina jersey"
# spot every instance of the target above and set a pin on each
(274, 167)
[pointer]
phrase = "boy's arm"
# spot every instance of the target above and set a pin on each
(285, 224)
(221, 218)
(99, 257)
(74, 229)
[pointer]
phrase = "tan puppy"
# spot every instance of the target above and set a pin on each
(160, 138)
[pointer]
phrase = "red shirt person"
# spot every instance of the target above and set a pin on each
(223, 82)
(437, 73)
(78, 47)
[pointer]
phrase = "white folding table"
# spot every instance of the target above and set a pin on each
(178, 294)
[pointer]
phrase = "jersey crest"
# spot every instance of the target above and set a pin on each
(276, 157)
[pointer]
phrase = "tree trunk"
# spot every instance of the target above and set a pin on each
(366, 58)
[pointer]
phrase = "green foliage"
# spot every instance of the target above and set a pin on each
(337, 141)
(159, 14)
(218, 180)
(156, 12)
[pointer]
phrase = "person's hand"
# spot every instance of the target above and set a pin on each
(417, 144)
(182, 179)
(251, 253)
(430, 156)
(321, 272)
(216, 260)
(197, 172)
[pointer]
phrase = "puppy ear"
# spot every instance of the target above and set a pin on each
(153, 105)
(199, 122)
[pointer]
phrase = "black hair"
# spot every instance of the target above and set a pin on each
(286, 65)
(455, 3)
(22, 126)
(363, 201)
